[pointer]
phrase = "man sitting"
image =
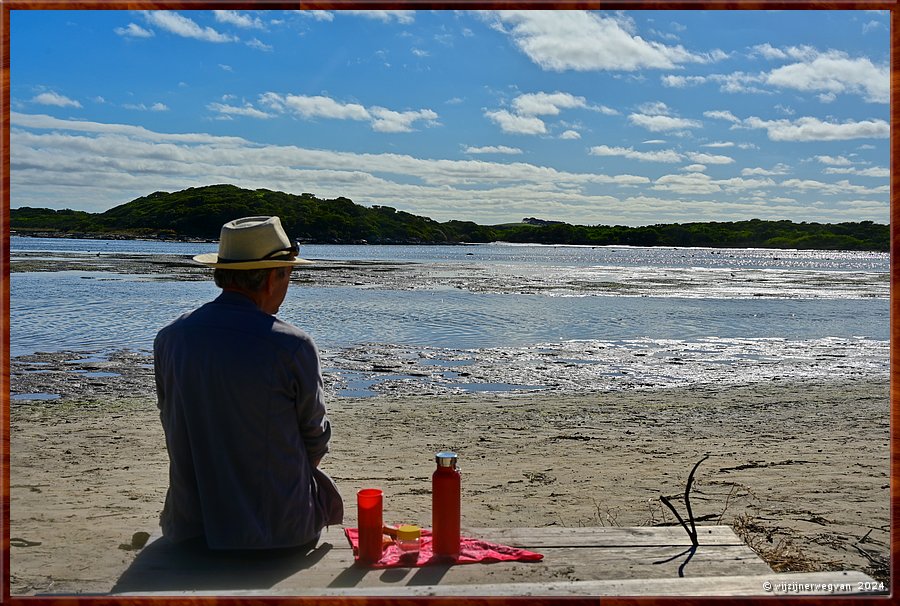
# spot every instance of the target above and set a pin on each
(241, 401)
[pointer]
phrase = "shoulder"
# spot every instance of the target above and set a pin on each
(291, 337)
(174, 325)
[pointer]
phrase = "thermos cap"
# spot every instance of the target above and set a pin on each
(446, 459)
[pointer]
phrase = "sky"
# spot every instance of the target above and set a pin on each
(613, 118)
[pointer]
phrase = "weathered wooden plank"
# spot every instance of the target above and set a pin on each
(162, 567)
(814, 583)
(606, 536)
(553, 536)
(558, 563)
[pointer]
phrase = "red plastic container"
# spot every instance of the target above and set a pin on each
(445, 506)
(369, 517)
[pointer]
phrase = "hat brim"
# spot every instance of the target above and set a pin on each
(212, 260)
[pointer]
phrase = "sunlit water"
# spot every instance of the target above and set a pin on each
(694, 315)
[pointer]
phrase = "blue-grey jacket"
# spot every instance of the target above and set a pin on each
(241, 402)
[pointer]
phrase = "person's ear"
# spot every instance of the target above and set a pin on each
(271, 280)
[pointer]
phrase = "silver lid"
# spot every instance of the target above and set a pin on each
(446, 459)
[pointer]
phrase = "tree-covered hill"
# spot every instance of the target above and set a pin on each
(200, 212)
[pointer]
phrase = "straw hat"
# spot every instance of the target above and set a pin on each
(253, 243)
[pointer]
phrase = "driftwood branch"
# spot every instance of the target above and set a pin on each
(692, 531)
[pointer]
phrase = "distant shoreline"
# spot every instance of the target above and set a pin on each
(110, 236)
(199, 213)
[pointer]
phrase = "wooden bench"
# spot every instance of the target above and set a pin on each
(577, 561)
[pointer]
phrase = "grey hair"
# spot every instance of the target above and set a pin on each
(251, 280)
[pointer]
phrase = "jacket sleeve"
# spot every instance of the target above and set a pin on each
(315, 429)
(158, 372)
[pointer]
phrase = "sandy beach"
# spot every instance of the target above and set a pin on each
(800, 470)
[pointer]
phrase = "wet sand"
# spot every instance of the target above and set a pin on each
(800, 470)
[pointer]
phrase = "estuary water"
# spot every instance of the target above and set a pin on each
(499, 317)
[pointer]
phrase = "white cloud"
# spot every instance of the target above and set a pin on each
(389, 121)
(259, 45)
(694, 168)
(786, 110)
(52, 98)
(402, 17)
(587, 41)
(654, 107)
(570, 134)
(180, 25)
(802, 53)
(834, 73)
(709, 158)
(546, 104)
(740, 184)
(382, 119)
(524, 121)
(682, 81)
(690, 183)
(315, 106)
(134, 31)
(231, 110)
(862, 172)
(667, 155)
(827, 73)
(834, 160)
(722, 115)
(656, 117)
(519, 125)
(872, 26)
(718, 144)
(239, 19)
(316, 15)
(156, 107)
(778, 169)
(814, 129)
(698, 183)
(662, 123)
(739, 82)
(493, 149)
(768, 51)
(735, 82)
(839, 188)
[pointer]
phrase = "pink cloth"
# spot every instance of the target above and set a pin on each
(470, 552)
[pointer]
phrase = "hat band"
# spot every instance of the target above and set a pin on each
(272, 256)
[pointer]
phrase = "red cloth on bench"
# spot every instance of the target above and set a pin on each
(471, 551)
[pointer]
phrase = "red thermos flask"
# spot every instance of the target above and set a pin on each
(445, 489)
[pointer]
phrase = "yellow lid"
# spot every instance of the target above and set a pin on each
(408, 532)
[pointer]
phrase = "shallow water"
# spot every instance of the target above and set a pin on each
(97, 311)
(598, 318)
(504, 253)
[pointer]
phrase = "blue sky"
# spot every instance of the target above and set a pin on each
(630, 118)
